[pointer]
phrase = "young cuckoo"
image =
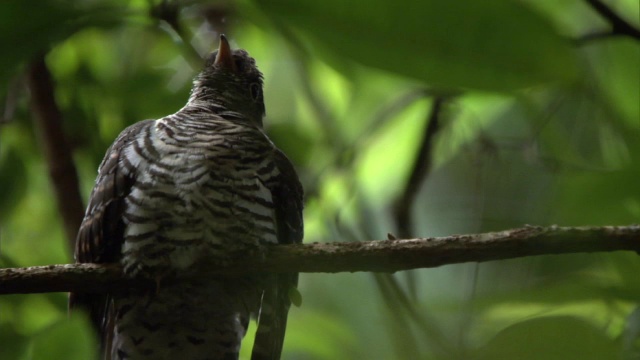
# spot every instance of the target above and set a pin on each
(202, 185)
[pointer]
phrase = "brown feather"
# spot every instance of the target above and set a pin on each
(287, 196)
(101, 233)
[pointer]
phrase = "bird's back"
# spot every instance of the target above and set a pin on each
(200, 193)
(204, 185)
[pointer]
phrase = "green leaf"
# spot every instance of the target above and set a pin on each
(67, 339)
(14, 345)
(550, 338)
(609, 197)
(496, 45)
(30, 27)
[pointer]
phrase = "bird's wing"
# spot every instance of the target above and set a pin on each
(101, 233)
(286, 192)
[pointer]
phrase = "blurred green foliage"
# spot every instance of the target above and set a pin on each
(543, 130)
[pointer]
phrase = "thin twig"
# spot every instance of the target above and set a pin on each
(169, 13)
(55, 147)
(372, 256)
(619, 26)
(421, 169)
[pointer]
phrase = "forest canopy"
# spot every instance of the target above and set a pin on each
(410, 118)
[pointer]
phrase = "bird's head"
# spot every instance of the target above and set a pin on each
(231, 78)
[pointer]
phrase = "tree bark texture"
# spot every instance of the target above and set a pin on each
(373, 256)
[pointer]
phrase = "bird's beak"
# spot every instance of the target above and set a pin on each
(224, 59)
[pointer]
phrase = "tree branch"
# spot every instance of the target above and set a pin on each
(374, 256)
(169, 12)
(420, 171)
(619, 26)
(62, 170)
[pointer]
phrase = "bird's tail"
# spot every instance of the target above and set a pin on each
(272, 321)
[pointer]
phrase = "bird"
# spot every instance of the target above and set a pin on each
(203, 185)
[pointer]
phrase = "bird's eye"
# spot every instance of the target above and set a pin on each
(256, 91)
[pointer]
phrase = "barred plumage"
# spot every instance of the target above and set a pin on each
(202, 184)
